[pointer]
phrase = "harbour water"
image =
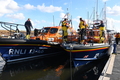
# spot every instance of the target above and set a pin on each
(51, 68)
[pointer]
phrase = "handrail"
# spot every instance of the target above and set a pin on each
(11, 23)
(9, 26)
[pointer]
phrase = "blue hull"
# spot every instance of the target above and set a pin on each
(82, 55)
(14, 50)
(81, 58)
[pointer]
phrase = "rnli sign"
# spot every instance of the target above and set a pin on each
(25, 51)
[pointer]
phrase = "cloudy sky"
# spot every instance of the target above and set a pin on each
(50, 12)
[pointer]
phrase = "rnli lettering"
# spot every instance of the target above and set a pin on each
(25, 51)
(17, 51)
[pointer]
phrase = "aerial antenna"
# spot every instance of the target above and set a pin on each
(53, 16)
(67, 14)
(53, 21)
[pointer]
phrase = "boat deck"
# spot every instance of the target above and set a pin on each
(112, 68)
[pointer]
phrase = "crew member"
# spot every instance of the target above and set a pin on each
(102, 29)
(64, 29)
(117, 38)
(28, 26)
(82, 27)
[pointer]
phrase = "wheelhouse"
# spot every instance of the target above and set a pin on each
(54, 34)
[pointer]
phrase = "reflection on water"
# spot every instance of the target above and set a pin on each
(40, 69)
(52, 68)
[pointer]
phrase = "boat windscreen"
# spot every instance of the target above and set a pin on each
(53, 30)
(45, 30)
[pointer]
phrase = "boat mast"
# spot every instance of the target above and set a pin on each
(88, 18)
(105, 15)
(97, 11)
(67, 14)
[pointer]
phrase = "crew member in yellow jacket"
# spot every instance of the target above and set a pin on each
(101, 28)
(102, 31)
(82, 27)
(117, 38)
(64, 29)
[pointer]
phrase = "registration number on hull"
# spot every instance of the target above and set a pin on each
(25, 51)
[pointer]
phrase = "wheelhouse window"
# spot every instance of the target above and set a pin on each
(53, 30)
(45, 30)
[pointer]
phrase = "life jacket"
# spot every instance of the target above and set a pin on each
(81, 25)
(64, 23)
(102, 28)
(119, 36)
(64, 28)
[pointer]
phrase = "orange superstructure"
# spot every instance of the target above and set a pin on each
(94, 35)
(54, 34)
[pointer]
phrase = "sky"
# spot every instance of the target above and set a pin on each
(45, 13)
